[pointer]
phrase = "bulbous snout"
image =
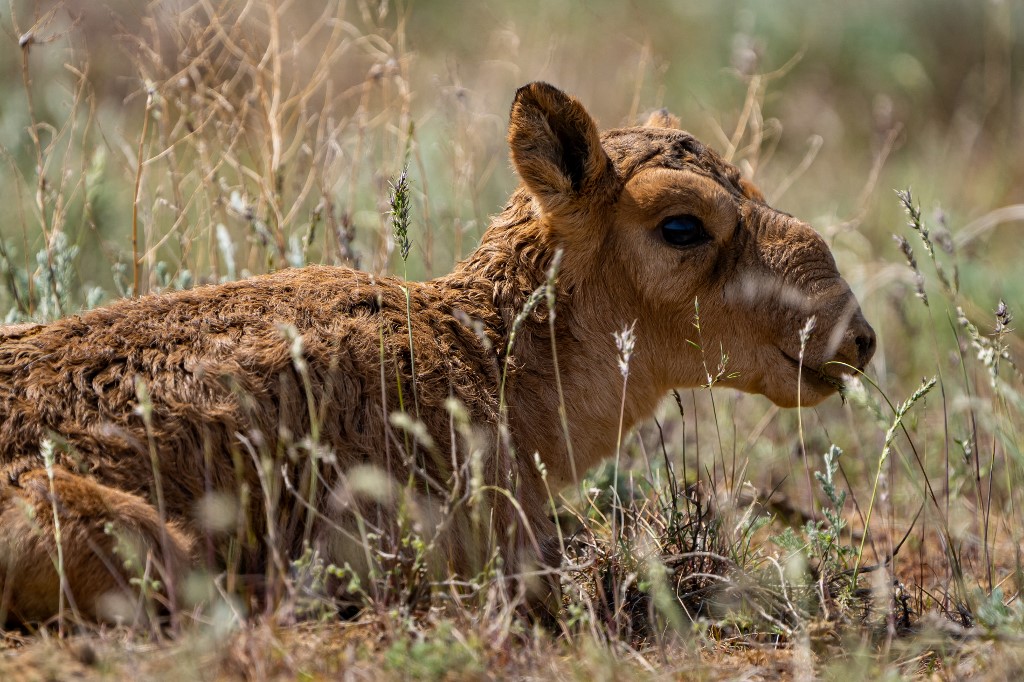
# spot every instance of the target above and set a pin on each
(865, 341)
(842, 342)
(792, 279)
(809, 283)
(857, 343)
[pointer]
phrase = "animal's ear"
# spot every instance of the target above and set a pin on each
(662, 118)
(557, 151)
(751, 191)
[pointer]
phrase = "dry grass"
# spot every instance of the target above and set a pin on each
(172, 144)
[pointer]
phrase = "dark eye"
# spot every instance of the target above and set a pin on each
(684, 230)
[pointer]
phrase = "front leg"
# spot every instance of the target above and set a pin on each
(539, 553)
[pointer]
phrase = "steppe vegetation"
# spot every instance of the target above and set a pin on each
(150, 147)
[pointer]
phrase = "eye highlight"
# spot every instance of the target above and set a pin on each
(684, 230)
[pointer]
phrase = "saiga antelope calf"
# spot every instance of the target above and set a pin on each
(151, 405)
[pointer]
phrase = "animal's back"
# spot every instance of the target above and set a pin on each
(223, 378)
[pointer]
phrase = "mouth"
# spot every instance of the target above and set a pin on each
(815, 378)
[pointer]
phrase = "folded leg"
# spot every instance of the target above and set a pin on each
(107, 537)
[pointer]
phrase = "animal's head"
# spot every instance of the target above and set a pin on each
(652, 220)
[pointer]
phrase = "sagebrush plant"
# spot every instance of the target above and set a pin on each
(240, 138)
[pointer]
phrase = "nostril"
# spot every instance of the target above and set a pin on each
(865, 347)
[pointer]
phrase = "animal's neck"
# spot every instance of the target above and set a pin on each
(511, 262)
(597, 411)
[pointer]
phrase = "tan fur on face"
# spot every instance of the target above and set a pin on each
(226, 393)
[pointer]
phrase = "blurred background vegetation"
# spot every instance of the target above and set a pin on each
(268, 133)
(927, 91)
